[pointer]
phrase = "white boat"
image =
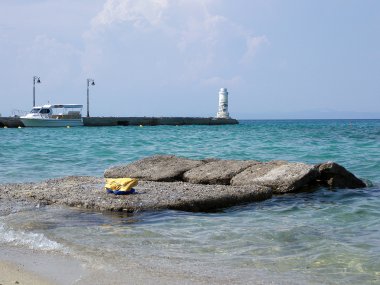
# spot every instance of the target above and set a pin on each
(64, 115)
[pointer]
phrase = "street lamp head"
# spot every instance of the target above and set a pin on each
(92, 81)
(35, 79)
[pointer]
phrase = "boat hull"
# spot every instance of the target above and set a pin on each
(33, 122)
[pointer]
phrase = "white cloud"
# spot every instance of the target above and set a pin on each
(199, 26)
(253, 45)
(201, 41)
(140, 13)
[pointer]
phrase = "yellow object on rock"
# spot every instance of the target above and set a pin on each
(120, 184)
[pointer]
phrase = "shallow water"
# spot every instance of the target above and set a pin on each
(329, 237)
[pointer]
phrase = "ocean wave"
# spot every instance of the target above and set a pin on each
(35, 241)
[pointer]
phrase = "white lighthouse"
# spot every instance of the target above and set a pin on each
(223, 104)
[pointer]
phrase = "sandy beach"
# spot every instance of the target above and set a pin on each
(11, 273)
(24, 266)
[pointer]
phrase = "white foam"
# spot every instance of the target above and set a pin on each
(31, 240)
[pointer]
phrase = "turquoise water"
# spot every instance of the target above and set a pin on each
(328, 237)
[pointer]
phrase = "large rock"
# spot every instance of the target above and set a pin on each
(89, 193)
(280, 176)
(155, 168)
(216, 172)
(336, 176)
(255, 183)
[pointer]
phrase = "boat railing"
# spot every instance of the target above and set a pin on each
(18, 113)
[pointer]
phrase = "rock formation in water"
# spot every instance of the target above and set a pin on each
(280, 176)
(170, 182)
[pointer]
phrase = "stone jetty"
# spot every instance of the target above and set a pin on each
(15, 122)
(10, 122)
(171, 182)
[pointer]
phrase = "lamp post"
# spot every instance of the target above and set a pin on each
(92, 82)
(35, 79)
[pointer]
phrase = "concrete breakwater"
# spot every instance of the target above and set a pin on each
(10, 122)
(170, 182)
(155, 121)
(13, 122)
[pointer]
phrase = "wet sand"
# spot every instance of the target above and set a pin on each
(11, 273)
(31, 267)
(25, 266)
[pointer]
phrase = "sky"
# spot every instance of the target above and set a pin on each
(279, 59)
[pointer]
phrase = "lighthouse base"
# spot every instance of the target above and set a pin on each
(223, 115)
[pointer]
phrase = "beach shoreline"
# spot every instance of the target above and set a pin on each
(26, 266)
(13, 273)
(20, 265)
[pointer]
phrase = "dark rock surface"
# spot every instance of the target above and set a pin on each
(155, 168)
(155, 121)
(10, 122)
(336, 176)
(280, 176)
(88, 192)
(217, 172)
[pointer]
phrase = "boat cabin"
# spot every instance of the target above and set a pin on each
(62, 111)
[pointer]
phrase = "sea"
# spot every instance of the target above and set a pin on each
(323, 236)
